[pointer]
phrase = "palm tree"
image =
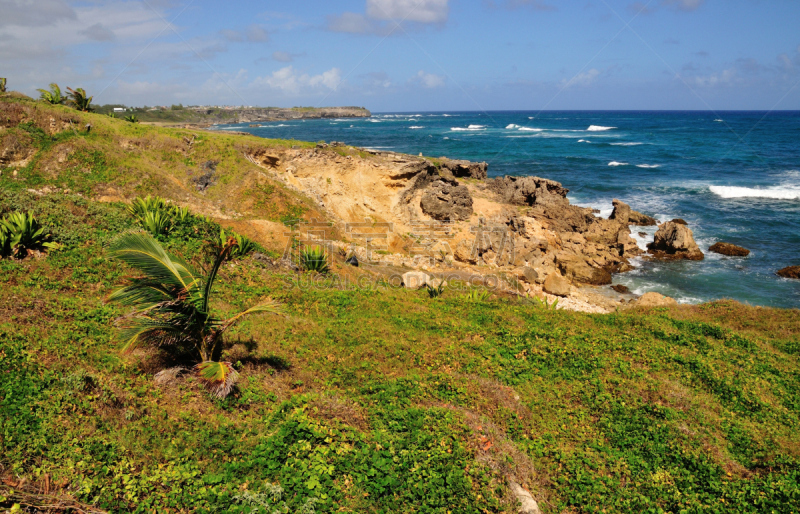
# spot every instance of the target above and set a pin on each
(79, 100)
(172, 309)
(53, 96)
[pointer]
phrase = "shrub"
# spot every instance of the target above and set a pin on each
(314, 259)
(244, 245)
(156, 222)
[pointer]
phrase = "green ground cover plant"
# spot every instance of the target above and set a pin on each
(364, 400)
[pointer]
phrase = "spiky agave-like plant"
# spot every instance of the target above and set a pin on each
(53, 96)
(171, 302)
(24, 235)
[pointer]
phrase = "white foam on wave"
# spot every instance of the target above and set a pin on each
(416, 127)
(471, 127)
(584, 141)
(528, 129)
(273, 126)
(626, 144)
(718, 120)
(648, 166)
(598, 128)
(446, 137)
(512, 126)
(777, 193)
(615, 163)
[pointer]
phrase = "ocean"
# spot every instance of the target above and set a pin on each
(733, 176)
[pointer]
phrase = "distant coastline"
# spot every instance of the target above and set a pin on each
(210, 115)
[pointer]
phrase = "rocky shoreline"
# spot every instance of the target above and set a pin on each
(447, 216)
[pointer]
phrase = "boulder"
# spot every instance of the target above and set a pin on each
(527, 505)
(528, 190)
(653, 300)
(557, 285)
(468, 169)
(789, 272)
(415, 279)
(680, 221)
(729, 249)
(575, 267)
(445, 201)
(621, 289)
(675, 241)
(530, 275)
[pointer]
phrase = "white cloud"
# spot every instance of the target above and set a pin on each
(428, 80)
(291, 81)
(584, 79)
(388, 17)
(422, 11)
(725, 77)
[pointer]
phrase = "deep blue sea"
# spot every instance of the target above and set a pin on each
(734, 176)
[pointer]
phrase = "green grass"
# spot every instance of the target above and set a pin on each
(371, 400)
(383, 401)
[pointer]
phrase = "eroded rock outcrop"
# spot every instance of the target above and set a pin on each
(675, 241)
(466, 169)
(446, 200)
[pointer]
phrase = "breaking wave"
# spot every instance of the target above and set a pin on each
(778, 193)
(598, 128)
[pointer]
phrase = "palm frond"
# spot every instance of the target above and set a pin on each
(145, 330)
(143, 293)
(270, 306)
(144, 253)
(212, 275)
(218, 377)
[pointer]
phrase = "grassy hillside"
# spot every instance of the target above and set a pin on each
(360, 400)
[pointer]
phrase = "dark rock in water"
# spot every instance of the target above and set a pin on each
(620, 288)
(675, 241)
(680, 221)
(468, 169)
(352, 260)
(445, 201)
(789, 272)
(642, 234)
(729, 249)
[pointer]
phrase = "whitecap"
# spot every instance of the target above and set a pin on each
(718, 120)
(512, 126)
(470, 128)
(446, 137)
(527, 129)
(777, 193)
(615, 163)
(626, 144)
(648, 166)
(416, 127)
(598, 128)
(584, 141)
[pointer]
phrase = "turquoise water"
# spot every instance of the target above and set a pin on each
(734, 176)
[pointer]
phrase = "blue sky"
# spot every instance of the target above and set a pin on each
(403, 55)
